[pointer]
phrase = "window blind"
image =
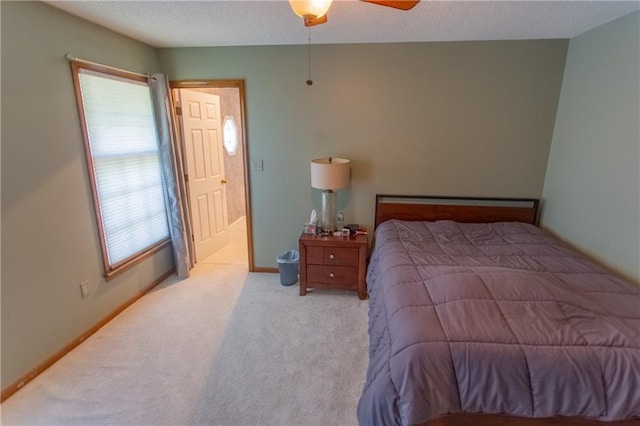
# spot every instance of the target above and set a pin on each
(126, 163)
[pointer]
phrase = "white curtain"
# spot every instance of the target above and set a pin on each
(173, 168)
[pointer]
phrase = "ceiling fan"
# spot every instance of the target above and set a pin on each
(314, 12)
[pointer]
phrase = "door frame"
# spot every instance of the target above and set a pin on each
(238, 84)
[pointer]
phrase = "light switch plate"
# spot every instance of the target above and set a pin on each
(256, 165)
(84, 288)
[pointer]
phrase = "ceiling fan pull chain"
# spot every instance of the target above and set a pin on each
(309, 82)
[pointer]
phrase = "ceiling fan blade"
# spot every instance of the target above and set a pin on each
(311, 20)
(396, 4)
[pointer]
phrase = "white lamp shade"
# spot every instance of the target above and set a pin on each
(315, 8)
(330, 173)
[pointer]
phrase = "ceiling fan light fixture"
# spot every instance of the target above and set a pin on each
(313, 8)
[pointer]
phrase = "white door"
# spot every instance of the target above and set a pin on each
(202, 137)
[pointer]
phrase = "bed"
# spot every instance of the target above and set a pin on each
(479, 317)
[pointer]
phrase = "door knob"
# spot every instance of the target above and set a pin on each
(223, 181)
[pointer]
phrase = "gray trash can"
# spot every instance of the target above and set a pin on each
(288, 267)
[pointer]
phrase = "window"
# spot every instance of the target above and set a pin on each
(230, 135)
(123, 158)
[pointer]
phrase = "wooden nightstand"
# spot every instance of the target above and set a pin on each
(333, 262)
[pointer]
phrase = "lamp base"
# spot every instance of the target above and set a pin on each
(328, 213)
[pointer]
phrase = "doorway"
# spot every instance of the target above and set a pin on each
(211, 125)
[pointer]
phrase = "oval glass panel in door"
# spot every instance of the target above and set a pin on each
(230, 135)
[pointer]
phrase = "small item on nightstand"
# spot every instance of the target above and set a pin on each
(310, 227)
(340, 220)
(353, 227)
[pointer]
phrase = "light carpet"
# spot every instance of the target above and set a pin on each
(224, 347)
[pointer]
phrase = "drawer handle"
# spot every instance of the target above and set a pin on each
(331, 274)
(332, 256)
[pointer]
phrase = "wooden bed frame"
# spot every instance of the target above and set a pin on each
(475, 210)
(460, 209)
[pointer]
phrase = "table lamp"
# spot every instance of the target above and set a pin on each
(329, 174)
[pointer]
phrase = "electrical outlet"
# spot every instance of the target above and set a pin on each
(84, 289)
(256, 165)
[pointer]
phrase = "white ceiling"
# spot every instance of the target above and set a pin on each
(267, 22)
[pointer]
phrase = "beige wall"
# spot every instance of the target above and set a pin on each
(49, 236)
(464, 118)
(592, 186)
(233, 164)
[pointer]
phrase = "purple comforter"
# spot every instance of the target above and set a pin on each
(495, 318)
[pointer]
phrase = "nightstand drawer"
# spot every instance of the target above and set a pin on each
(342, 256)
(332, 274)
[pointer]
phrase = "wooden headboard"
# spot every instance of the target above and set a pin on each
(460, 209)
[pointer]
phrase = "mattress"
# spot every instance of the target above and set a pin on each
(497, 318)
